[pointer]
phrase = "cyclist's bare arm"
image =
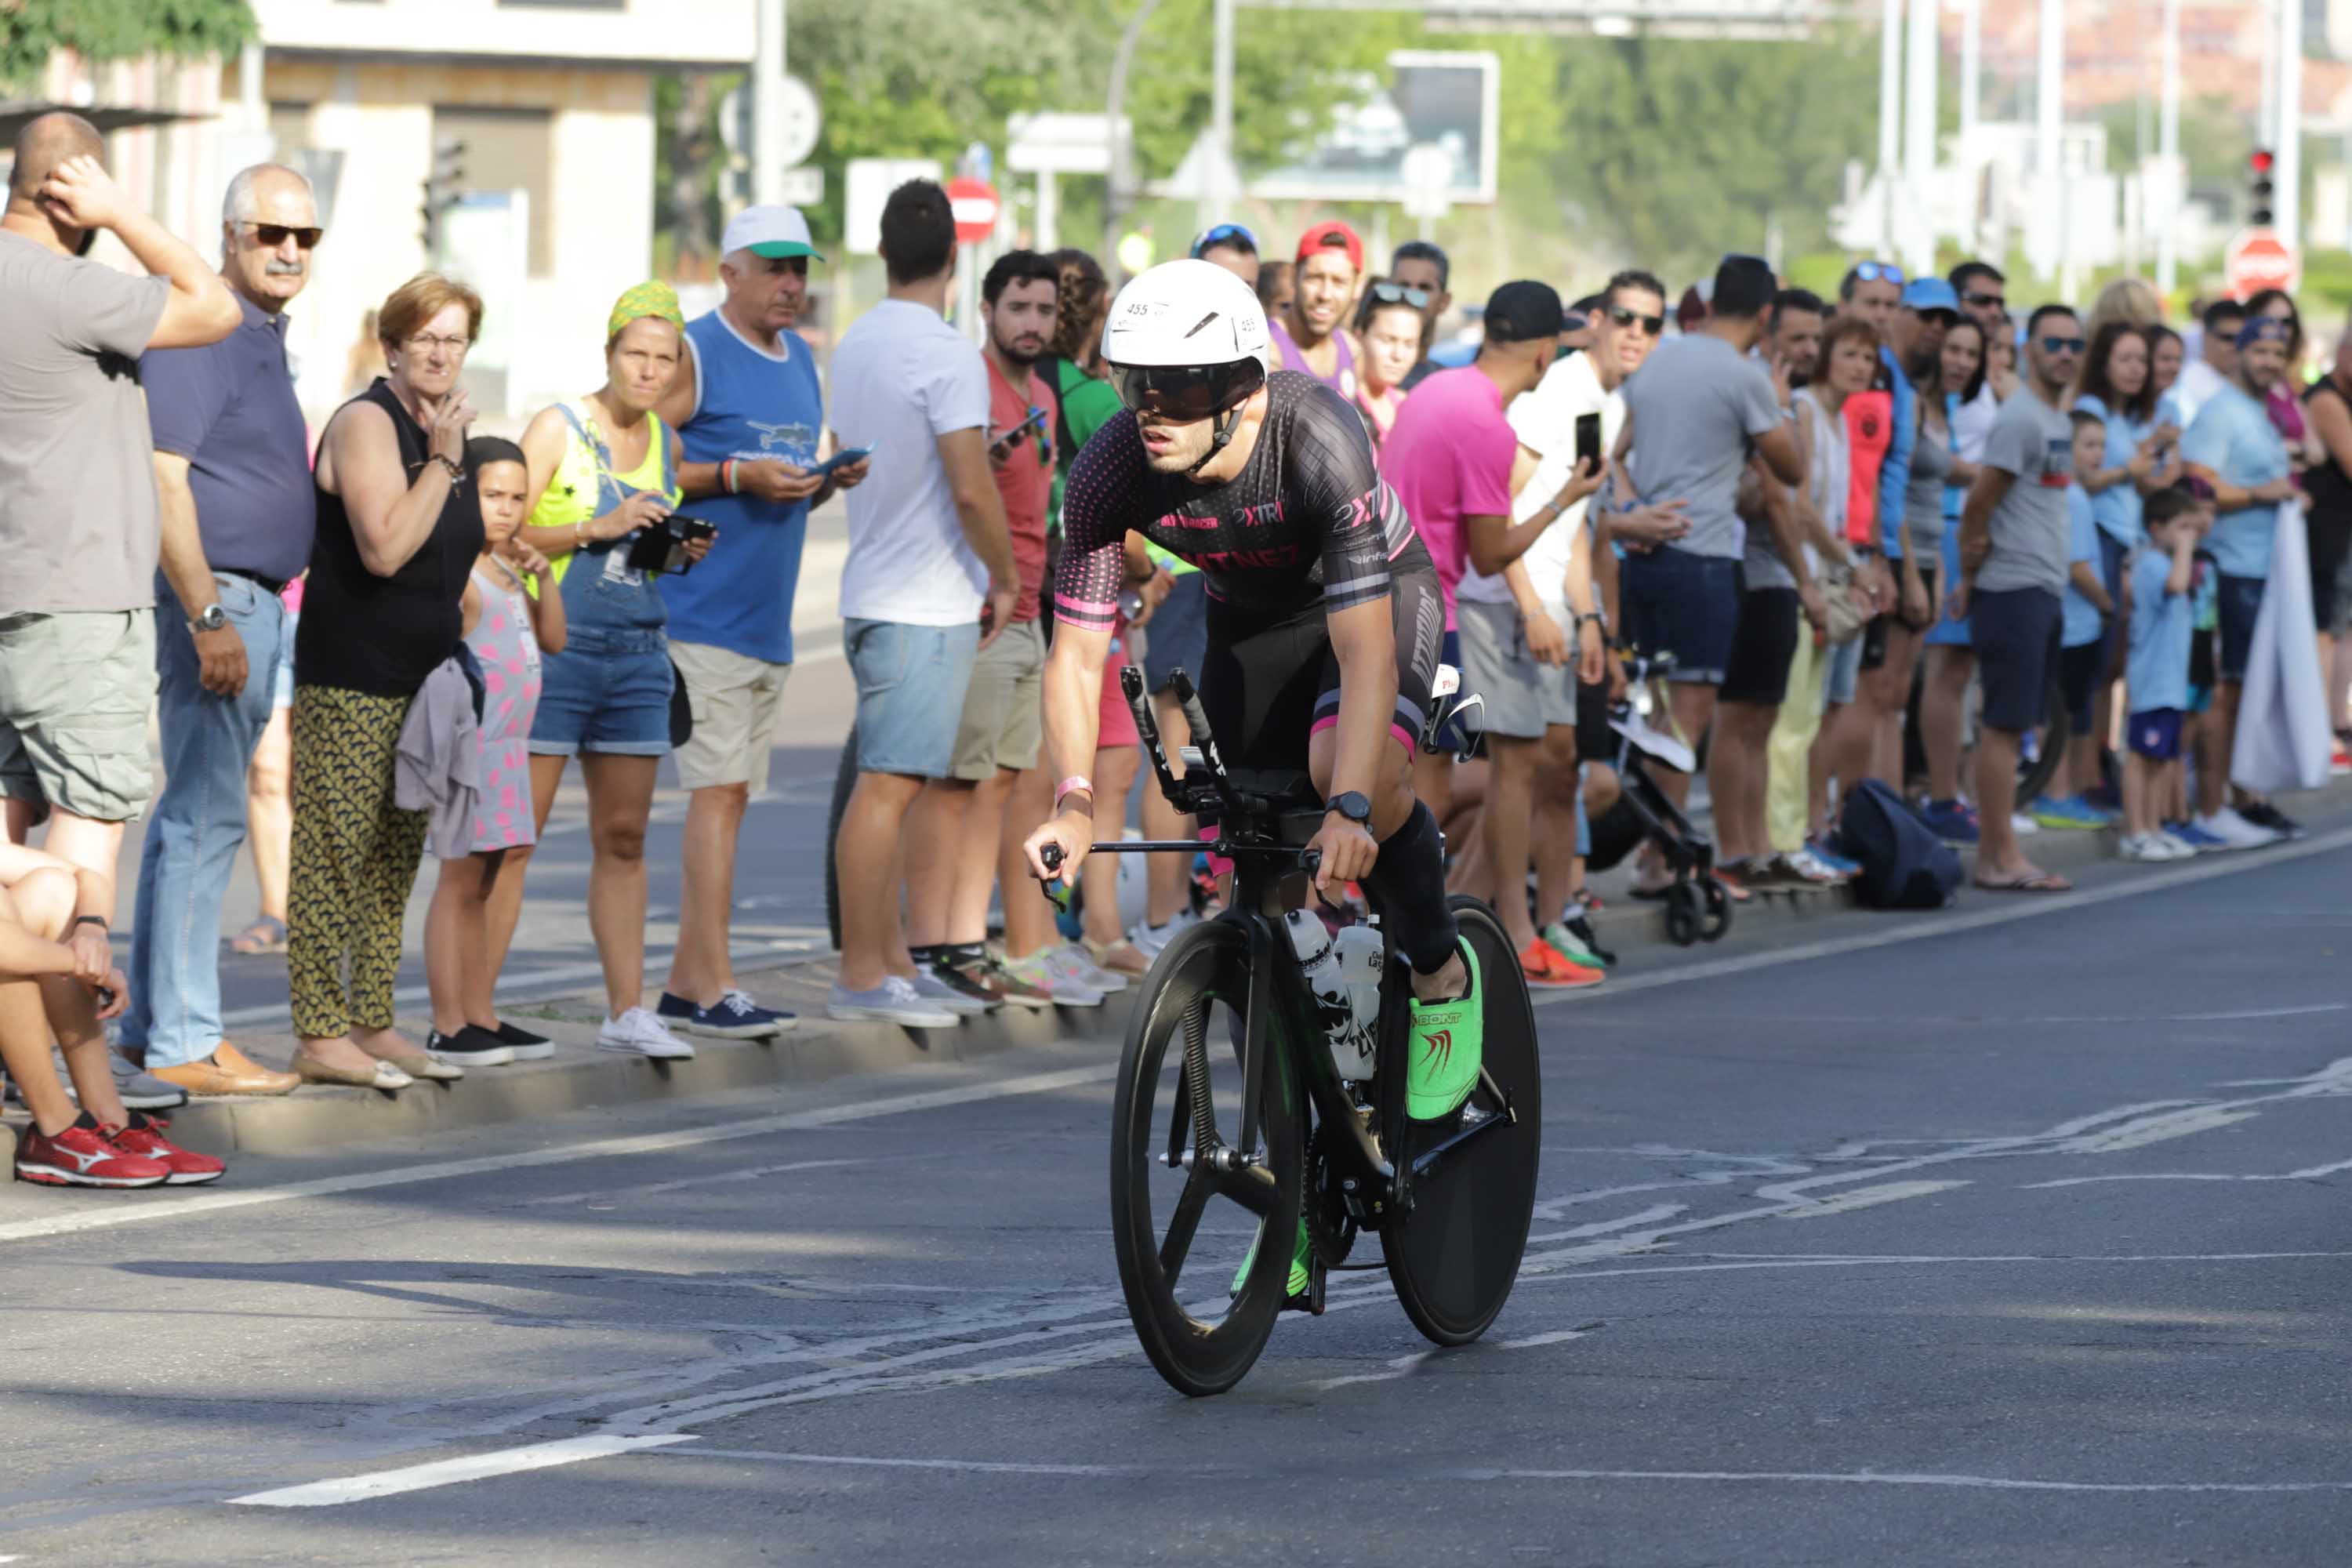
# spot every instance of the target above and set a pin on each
(1073, 673)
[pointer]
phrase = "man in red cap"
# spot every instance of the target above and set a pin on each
(1308, 334)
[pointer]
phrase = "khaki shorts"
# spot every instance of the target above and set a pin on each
(75, 688)
(1003, 721)
(736, 700)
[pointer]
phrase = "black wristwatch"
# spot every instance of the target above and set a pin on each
(1354, 805)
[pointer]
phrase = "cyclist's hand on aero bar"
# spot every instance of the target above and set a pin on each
(1072, 834)
(1349, 850)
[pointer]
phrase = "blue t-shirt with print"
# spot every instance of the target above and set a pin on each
(2120, 506)
(2233, 437)
(2156, 672)
(750, 404)
(2081, 621)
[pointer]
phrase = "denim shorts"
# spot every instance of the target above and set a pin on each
(607, 691)
(911, 682)
(282, 692)
(1684, 605)
(1841, 671)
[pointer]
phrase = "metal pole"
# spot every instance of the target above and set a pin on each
(2289, 172)
(1215, 199)
(1971, 90)
(768, 105)
(1919, 137)
(2166, 216)
(1047, 236)
(1890, 118)
(1121, 191)
(2048, 115)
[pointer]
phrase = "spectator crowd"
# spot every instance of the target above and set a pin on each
(1910, 534)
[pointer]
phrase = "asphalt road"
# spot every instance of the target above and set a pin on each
(2015, 1235)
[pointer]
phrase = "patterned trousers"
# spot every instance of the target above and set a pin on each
(355, 860)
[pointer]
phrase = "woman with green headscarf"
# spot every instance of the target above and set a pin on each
(604, 469)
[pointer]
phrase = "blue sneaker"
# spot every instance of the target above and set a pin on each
(1949, 821)
(734, 1016)
(1834, 860)
(2196, 837)
(2067, 815)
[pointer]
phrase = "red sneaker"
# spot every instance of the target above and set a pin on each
(83, 1156)
(1547, 967)
(144, 1137)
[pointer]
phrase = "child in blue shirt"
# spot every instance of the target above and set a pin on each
(2156, 676)
(2082, 643)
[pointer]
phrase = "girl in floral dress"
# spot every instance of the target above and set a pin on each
(512, 615)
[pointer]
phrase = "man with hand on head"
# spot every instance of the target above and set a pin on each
(747, 406)
(80, 528)
(232, 475)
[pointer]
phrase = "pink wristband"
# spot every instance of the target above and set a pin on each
(1070, 786)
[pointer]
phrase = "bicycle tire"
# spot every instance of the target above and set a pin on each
(845, 784)
(1455, 1258)
(2057, 731)
(1204, 965)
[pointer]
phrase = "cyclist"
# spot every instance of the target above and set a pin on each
(1324, 619)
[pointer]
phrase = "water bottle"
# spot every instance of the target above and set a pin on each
(1344, 974)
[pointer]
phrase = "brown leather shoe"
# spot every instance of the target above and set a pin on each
(228, 1071)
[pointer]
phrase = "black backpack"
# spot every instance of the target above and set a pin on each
(1904, 865)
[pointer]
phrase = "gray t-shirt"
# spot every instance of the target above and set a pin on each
(1698, 405)
(77, 520)
(1923, 497)
(2036, 443)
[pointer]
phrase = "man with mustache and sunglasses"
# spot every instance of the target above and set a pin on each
(232, 475)
(1324, 620)
(80, 528)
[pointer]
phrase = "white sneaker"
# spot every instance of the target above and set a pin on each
(1039, 969)
(932, 988)
(2234, 831)
(2188, 851)
(2023, 825)
(1070, 962)
(1149, 938)
(641, 1031)
(895, 1001)
(2154, 847)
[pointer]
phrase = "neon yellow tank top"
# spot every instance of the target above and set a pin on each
(584, 486)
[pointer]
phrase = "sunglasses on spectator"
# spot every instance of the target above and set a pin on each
(1220, 234)
(2054, 346)
(1985, 301)
(1652, 326)
(1400, 294)
(273, 235)
(1185, 395)
(1877, 272)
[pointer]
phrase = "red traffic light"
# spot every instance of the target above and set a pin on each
(2259, 160)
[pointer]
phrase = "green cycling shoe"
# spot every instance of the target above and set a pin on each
(1300, 1278)
(1449, 1040)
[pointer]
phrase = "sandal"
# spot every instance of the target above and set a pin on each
(1120, 957)
(2032, 883)
(265, 935)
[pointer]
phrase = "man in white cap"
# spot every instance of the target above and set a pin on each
(748, 407)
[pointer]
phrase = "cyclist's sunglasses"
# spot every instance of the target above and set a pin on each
(1652, 326)
(1224, 233)
(1877, 272)
(1186, 394)
(273, 235)
(1400, 294)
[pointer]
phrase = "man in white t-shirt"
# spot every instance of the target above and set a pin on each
(1521, 628)
(930, 577)
(2215, 368)
(1984, 300)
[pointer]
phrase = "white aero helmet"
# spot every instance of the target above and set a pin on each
(1187, 340)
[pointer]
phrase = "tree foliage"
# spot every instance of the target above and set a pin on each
(101, 30)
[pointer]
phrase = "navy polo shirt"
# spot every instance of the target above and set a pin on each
(229, 408)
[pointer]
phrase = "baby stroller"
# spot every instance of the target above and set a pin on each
(1697, 905)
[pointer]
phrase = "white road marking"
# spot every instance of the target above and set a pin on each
(1403, 1366)
(979, 1467)
(1942, 924)
(1870, 1197)
(1899, 1478)
(1746, 1262)
(448, 1472)
(748, 1173)
(2309, 1174)
(1558, 1337)
(185, 1209)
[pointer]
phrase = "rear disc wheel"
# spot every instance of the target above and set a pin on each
(1455, 1258)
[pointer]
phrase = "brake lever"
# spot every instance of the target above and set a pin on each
(1051, 855)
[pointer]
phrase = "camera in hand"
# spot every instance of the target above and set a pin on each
(660, 549)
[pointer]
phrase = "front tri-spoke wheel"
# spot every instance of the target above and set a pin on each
(1188, 1202)
(1456, 1256)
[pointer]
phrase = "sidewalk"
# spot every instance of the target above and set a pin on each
(579, 1077)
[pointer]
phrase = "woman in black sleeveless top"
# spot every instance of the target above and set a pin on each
(399, 527)
(2328, 415)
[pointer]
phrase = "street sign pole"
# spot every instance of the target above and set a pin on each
(768, 159)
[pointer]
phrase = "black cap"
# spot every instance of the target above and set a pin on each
(1523, 312)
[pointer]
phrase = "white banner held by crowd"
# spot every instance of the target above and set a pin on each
(2284, 735)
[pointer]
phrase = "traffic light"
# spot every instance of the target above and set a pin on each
(443, 188)
(2259, 188)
